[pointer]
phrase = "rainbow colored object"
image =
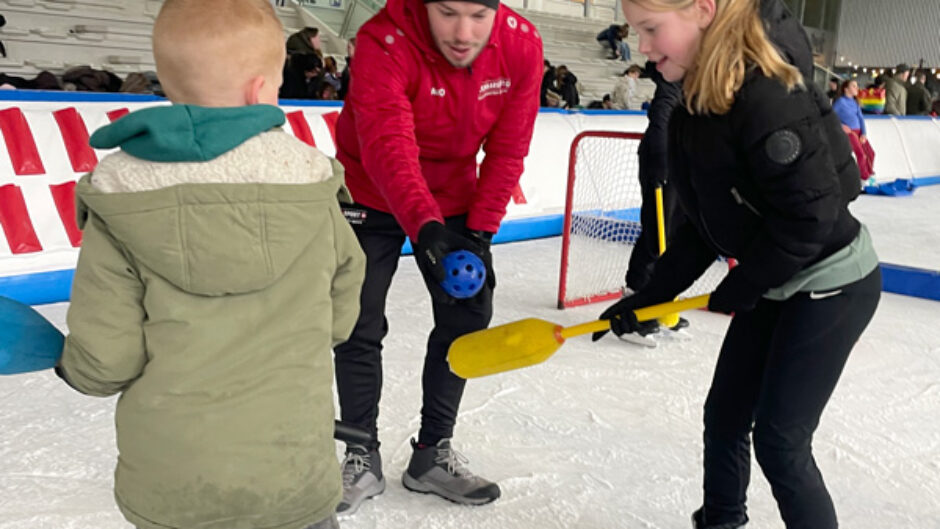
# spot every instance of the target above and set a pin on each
(872, 100)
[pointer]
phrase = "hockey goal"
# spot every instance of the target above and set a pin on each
(602, 220)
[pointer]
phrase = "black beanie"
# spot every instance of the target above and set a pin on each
(492, 4)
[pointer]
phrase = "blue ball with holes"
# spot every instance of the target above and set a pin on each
(465, 274)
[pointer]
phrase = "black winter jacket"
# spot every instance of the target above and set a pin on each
(654, 145)
(768, 184)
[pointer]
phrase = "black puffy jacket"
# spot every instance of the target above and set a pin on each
(768, 184)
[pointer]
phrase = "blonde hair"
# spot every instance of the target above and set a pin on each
(734, 41)
(206, 48)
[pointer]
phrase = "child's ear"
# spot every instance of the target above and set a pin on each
(253, 90)
(706, 12)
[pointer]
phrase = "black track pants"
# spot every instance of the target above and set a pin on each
(777, 369)
(359, 360)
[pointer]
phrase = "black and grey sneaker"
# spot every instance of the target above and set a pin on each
(362, 478)
(441, 470)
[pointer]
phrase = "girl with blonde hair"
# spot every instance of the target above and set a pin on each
(764, 175)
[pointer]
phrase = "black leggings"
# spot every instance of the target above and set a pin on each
(359, 360)
(777, 369)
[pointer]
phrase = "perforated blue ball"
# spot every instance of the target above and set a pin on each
(465, 274)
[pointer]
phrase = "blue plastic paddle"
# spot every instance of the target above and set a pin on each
(28, 342)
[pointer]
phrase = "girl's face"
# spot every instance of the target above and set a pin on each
(671, 39)
(852, 89)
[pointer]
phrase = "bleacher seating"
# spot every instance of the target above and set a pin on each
(115, 36)
(55, 35)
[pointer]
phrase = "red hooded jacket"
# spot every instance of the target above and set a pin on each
(413, 124)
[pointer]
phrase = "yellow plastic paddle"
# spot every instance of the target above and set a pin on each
(531, 341)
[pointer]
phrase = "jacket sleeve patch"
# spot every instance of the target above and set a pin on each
(783, 147)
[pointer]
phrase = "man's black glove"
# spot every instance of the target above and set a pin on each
(434, 242)
(735, 293)
(623, 320)
(483, 240)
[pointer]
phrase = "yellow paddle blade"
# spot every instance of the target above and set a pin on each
(504, 348)
(531, 341)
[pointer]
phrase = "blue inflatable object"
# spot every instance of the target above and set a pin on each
(465, 274)
(899, 188)
(28, 342)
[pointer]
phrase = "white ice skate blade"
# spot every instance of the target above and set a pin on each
(636, 339)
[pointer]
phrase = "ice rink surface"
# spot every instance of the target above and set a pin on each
(604, 435)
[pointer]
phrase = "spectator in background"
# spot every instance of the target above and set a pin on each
(615, 36)
(918, 97)
(548, 82)
(328, 92)
(833, 92)
(137, 83)
(626, 94)
(344, 77)
(331, 75)
(303, 77)
(896, 93)
(566, 85)
(853, 123)
(305, 41)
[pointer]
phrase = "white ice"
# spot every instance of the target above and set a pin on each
(604, 435)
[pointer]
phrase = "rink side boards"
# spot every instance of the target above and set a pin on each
(46, 151)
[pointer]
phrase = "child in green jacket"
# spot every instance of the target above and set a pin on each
(216, 273)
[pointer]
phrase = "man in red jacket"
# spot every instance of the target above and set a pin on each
(433, 81)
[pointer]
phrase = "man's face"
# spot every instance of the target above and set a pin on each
(460, 30)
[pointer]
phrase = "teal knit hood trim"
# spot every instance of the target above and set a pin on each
(186, 133)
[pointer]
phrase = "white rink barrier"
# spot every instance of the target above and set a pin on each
(46, 150)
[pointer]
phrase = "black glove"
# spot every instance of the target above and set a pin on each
(483, 240)
(434, 242)
(623, 320)
(735, 293)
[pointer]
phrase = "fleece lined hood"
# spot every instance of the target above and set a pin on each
(186, 133)
(233, 224)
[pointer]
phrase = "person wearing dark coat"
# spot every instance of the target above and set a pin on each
(653, 173)
(344, 78)
(548, 83)
(764, 175)
(918, 97)
(566, 85)
(303, 77)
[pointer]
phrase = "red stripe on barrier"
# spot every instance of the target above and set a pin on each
(14, 219)
(117, 114)
(330, 119)
(64, 197)
(298, 123)
(20, 143)
(75, 137)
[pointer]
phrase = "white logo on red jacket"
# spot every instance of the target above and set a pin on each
(439, 92)
(494, 87)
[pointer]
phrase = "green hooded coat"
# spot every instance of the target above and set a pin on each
(210, 289)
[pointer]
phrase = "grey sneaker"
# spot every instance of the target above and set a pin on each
(362, 478)
(441, 470)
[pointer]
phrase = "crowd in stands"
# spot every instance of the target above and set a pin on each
(900, 94)
(86, 79)
(308, 74)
